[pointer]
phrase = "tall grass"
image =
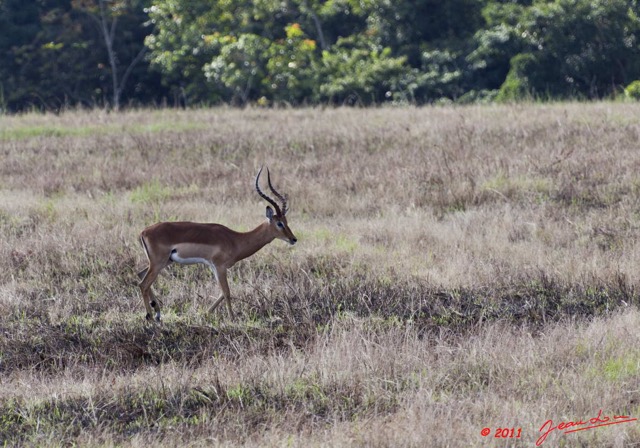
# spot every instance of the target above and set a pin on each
(457, 269)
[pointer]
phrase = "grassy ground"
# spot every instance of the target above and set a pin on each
(457, 269)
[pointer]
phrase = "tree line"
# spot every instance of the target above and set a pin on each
(114, 53)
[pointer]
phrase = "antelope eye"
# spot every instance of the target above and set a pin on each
(280, 225)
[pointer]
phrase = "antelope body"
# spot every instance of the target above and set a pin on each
(212, 244)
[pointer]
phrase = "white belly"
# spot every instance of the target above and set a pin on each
(194, 260)
(175, 257)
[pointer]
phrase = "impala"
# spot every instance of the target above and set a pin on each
(212, 244)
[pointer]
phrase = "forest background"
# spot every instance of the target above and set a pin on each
(99, 53)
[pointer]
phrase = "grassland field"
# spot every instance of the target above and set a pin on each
(458, 268)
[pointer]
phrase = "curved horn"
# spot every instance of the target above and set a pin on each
(264, 196)
(278, 195)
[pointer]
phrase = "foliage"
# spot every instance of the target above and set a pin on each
(633, 90)
(291, 66)
(180, 46)
(240, 66)
(576, 48)
(53, 54)
(518, 84)
(356, 74)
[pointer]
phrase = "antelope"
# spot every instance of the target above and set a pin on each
(214, 245)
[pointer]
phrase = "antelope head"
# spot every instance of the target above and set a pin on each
(276, 215)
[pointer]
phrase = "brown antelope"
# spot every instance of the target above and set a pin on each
(212, 244)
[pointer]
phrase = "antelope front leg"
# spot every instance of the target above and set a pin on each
(221, 276)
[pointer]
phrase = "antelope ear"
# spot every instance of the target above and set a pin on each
(269, 213)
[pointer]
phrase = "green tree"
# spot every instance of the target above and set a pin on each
(493, 46)
(107, 15)
(355, 72)
(180, 44)
(272, 50)
(240, 67)
(292, 67)
(52, 55)
(34, 63)
(575, 48)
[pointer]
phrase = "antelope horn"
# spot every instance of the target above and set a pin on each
(264, 196)
(278, 195)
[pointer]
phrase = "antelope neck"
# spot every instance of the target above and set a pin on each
(254, 240)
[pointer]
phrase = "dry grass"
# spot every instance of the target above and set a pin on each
(458, 268)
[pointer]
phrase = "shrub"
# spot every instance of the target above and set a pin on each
(633, 90)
